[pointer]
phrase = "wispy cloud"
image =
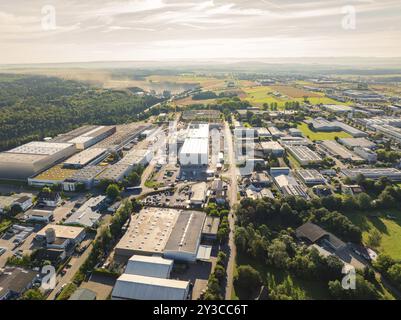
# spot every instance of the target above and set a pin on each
(208, 28)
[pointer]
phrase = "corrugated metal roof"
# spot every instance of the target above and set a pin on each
(134, 287)
(149, 266)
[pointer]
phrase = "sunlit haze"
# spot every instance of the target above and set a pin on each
(104, 30)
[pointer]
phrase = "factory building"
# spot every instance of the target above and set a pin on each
(366, 154)
(311, 177)
(294, 132)
(116, 172)
(87, 215)
(90, 135)
(29, 159)
(85, 176)
(272, 147)
(147, 266)
(173, 234)
(137, 157)
(135, 287)
(321, 124)
(184, 241)
(263, 133)
(351, 143)
(373, 173)
(289, 186)
(195, 151)
(294, 141)
(338, 151)
(275, 132)
(56, 234)
(304, 155)
(84, 158)
(147, 233)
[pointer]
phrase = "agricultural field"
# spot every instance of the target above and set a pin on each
(390, 229)
(314, 136)
(292, 92)
(282, 94)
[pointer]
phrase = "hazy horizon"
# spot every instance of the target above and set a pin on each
(32, 32)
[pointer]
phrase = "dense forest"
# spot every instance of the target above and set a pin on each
(33, 107)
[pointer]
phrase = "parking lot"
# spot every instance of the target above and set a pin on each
(14, 247)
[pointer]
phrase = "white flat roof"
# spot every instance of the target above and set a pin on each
(40, 148)
(195, 146)
(85, 156)
(66, 232)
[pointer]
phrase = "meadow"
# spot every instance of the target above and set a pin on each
(316, 136)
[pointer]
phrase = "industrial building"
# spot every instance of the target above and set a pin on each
(194, 152)
(338, 108)
(294, 141)
(289, 186)
(52, 176)
(29, 159)
(52, 232)
(294, 132)
(245, 133)
(338, 151)
(272, 147)
(321, 124)
(147, 266)
(148, 232)
(275, 132)
(116, 172)
(366, 154)
(23, 200)
(84, 158)
(311, 177)
(15, 281)
(87, 215)
(87, 136)
(210, 228)
(184, 240)
(373, 173)
(137, 157)
(263, 133)
(304, 155)
(198, 194)
(136, 287)
(85, 176)
(175, 234)
(351, 143)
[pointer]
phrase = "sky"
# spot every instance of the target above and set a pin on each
(52, 31)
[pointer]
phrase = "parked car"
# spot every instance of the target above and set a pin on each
(2, 251)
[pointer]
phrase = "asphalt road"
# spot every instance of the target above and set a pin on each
(233, 191)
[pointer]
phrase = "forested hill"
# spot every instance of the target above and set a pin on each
(33, 107)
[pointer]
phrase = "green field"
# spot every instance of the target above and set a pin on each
(390, 230)
(312, 135)
(260, 95)
(4, 224)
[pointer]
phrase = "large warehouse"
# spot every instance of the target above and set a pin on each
(136, 287)
(85, 157)
(29, 159)
(184, 241)
(195, 151)
(175, 234)
(373, 173)
(304, 155)
(146, 266)
(86, 136)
